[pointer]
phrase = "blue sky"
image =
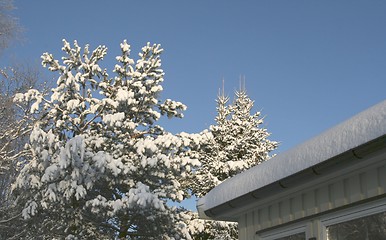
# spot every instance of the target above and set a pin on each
(308, 64)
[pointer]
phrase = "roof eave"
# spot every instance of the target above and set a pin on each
(350, 157)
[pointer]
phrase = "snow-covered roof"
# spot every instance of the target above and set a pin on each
(358, 130)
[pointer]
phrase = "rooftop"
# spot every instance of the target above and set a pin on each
(365, 127)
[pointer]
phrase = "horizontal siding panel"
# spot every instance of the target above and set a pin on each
(285, 211)
(363, 185)
(354, 189)
(324, 199)
(382, 179)
(372, 183)
(264, 217)
(242, 227)
(309, 200)
(338, 194)
(251, 222)
(274, 211)
(297, 207)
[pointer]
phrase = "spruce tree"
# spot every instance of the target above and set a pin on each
(101, 166)
(234, 144)
(250, 144)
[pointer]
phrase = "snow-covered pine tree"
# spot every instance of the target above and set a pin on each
(219, 137)
(250, 144)
(101, 166)
(235, 143)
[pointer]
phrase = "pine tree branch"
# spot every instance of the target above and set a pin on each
(10, 219)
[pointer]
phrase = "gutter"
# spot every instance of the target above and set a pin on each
(350, 157)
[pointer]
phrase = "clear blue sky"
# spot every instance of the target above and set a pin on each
(308, 64)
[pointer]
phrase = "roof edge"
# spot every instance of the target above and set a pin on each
(307, 158)
(351, 157)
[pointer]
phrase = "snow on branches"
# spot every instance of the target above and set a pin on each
(98, 154)
(235, 143)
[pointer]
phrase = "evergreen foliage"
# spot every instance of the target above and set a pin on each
(101, 166)
(234, 144)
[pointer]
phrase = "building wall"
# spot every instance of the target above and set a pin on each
(305, 205)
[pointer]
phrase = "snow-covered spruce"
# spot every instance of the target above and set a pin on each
(234, 144)
(101, 166)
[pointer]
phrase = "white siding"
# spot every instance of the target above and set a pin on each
(337, 191)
